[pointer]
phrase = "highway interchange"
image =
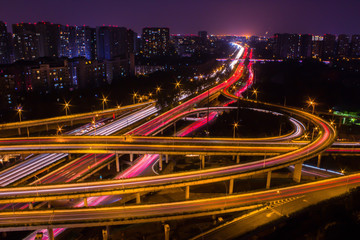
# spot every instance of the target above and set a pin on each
(283, 151)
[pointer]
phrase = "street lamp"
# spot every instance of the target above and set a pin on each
(158, 89)
(104, 100)
(59, 130)
(255, 91)
(66, 107)
(19, 110)
(236, 124)
(312, 103)
(177, 84)
(134, 96)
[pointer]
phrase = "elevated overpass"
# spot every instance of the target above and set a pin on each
(70, 118)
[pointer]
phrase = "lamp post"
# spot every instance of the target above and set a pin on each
(255, 91)
(134, 97)
(59, 130)
(235, 127)
(66, 107)
(312, 103)
(158, 89)
(104, 100)
(19, 110)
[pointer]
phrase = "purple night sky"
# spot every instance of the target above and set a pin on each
(252, 17)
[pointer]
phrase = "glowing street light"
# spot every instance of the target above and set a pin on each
(59, 130)
(158, 89)
(134, 96)
(236, 125)
(104, 100)
(19, 110)
(312, 103)
(255, 91)
(66, 107)
(177, 84)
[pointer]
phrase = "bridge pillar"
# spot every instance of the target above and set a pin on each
(85, 202)
(69, 155)
(138, 198)
(105, 233)
(50, 233)
(237, 159)
(47, 127)
(167, 231)
(187, 192)
(231, 186)
(131, 157)
(71, 123)
(49, 204)
(31, 206)
(202, 161)
(117, 162)
(297, 172)
(160, 162)
(319, 160)
(108, 166)
(19, 131)
(28, 131)
(167, 158)
(268, 180)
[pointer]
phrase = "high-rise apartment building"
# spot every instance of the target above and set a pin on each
(329, 45)
(67, 41)
(49, 39)
(355, 46)
(4, 44)
(343, 46)
(155, 42)
(112, 42)
(305, 45)
(26, 41)
(286, 45)
(85, 42)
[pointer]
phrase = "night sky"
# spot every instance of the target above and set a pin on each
(252, 17)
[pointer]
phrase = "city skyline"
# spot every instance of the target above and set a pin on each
(186, 17)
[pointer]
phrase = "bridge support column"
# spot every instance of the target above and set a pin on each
(117, 162)
(138, 198)
(319, 160)
(167, 231)
(297, 172)
(160, 162)
(167, 158)
(19, 131)
(105, 233)
(108, 166)
(131, 157)
(49, 204)
(47, 127)
(85, 202)
(202, 161)
(71, 123)
(231, 186)
(28, 131)
(69, 155)
(50, 233)
(237, 159)
(187, 192)
(268, 180)
(31, 206)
